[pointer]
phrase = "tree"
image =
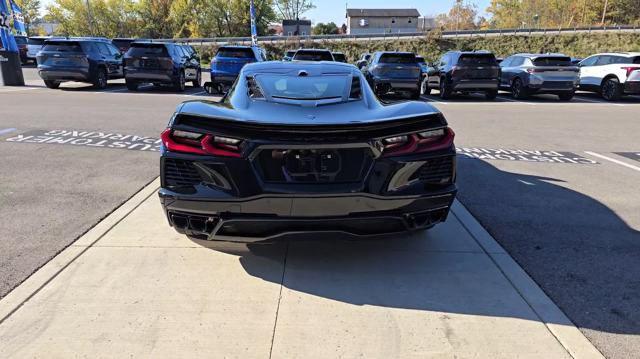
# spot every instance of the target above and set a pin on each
(30, 12)
(325, 29)
(462, 16)
(292, 9)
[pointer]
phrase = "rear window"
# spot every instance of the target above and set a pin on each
(398, 59)
(420, 60)
(290, 53)
(632, 60)
(62, 46)
(21, 40)
(477, 59)
(303, 87)
(306, 55)
(553, 61)
(121, 43)
(148, 50)
(244, 53)
(35, 41)
(340, 57)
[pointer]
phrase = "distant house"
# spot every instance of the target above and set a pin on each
(378, 21)
(296, 27)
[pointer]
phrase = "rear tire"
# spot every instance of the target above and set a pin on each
(611, 89)
(567, 96)
(415, 95)
(198, 81)
(518, 91)
(132, 86)
(445, 91)
(51, 84)
(491, 95)
(179, 85)
(100, 80)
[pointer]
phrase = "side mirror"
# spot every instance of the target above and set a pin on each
(361, 64)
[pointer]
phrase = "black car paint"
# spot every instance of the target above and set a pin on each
(102, 58)
(234, 199)
(174, 67)
(473, 78)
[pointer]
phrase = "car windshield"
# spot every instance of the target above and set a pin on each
(553, 61)
(62, 46)
(156, 50)
(35, 41)
(398, 59)
(303, 55)
(477, 59)
(244, 53)
(303, 87)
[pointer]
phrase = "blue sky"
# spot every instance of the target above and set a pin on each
(334, 10)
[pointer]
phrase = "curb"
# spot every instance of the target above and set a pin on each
(560, 326)
(13, 301)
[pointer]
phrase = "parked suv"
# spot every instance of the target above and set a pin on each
(396, 72)
(93, 61)
(34, 44)
(229, 60)
(313, 55)
(21, 41)
(612, 75)
(288, 55)
(465, 72)
(527, 74)
(160, 64)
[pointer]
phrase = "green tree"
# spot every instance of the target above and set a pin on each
(292, 9)
(462, 16)
(325, 29)
(30, 12)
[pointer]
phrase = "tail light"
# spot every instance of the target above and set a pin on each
(418, 142)
(630, 69)
(535, 70)
(201, 144)
(454, 69)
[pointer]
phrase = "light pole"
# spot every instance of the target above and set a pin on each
(90, 18)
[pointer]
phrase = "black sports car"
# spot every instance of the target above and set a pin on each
(305, 147)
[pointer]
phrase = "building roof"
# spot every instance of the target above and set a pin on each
(383, 12)
(295, 22)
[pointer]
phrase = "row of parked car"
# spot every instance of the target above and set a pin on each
(97, 60)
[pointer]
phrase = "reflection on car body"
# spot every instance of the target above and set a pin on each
(305, 147)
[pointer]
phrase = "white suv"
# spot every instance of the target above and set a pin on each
(611, 74)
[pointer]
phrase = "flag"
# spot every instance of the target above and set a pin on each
(18, 19)
(7, 40)
(254, 30)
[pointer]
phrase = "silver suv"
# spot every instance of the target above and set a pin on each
(528, 74)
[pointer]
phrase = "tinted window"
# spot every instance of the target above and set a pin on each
(21, 40)
(517, 61)
(62, 46)
(103, 49)
(506, 62)
(478, 59)
(149, 50)
(235, 52)
(627, 60)
(303, 88)
(114, 51)
(307, 55)
(603, 60)
(635, 60)
(397, 59)
(31, 41)
(420, 60)
(122, 43)
(290, 53)
(590, 61)
(553, 61)
(340, 57)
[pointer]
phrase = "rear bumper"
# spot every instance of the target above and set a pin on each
(478, 85)
(269, 216)
(223, 77)
(64, 74)
(632, 87)
(162, 76)
(399, 84)
(553, 86)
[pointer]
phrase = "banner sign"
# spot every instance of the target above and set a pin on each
(18, 19)
(254, 30)
(7, 40)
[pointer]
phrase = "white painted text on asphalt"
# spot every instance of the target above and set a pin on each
(523, 155)
(96, 139)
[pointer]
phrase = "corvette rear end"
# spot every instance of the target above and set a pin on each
(305, 147)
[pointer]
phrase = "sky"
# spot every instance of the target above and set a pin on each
(334, 10)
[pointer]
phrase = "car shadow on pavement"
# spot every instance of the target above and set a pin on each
(579, 251)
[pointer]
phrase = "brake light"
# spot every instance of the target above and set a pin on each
(200, 144)
(534, 70)
(424, 141)
(630, 69)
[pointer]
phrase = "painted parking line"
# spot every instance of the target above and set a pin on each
(595, 154)
(630, 155)
(6, 130)
(92, 139)
(9, 90)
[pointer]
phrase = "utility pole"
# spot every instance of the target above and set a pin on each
(604, 12)
(90, 18)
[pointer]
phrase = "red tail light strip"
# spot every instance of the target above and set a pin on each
(204, 146)
(415, 144)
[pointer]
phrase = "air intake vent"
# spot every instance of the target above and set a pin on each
(437, 170)
(179, 173)
(356, 90)
(254, 90)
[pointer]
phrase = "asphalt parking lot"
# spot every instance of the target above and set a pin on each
(556, 184)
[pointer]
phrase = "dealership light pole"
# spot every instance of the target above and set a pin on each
(90, 18)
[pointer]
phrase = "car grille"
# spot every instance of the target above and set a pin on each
(343, 165)
(437, 170)
(178, 173)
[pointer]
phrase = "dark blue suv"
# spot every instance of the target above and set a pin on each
(229, 60)
(93, 61)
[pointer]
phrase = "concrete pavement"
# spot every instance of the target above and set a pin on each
(133, 287)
